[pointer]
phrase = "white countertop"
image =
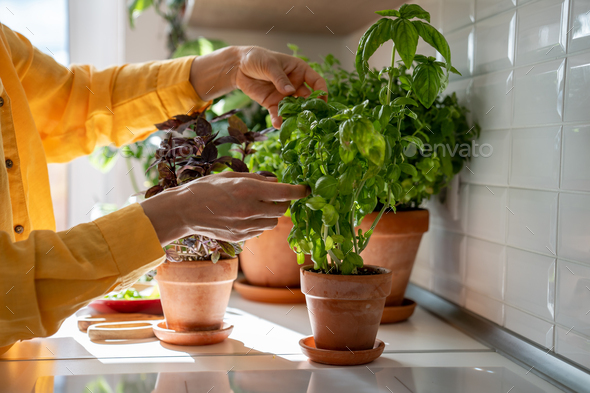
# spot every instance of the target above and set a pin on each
(265, 337)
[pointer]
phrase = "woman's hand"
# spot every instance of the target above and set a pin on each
(227, 206)
(265, 76)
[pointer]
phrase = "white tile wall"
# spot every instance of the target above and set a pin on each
(530, 282)
(529, 89)
(576, 140)
(529, 326)
(541, 31)
(532, 220)
(579, 37)
(536, 154)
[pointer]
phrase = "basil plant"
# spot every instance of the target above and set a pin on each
(351, 156)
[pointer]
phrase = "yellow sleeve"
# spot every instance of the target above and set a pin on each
(49, 276)
(79, 108)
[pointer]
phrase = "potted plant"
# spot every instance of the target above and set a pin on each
(444, 129)
(352, 159)
(195, 281)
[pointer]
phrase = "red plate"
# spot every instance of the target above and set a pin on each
(146, 306)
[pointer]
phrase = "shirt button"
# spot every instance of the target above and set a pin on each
(19, 229)
(9, 163)
(1, 101)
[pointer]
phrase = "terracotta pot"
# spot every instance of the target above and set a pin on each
(345, 311)
(195, 294)
(394, 245)
(268, 261)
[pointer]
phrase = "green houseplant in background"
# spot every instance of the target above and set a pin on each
(196, 280)
(350, 152)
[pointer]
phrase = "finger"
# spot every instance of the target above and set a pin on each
(277, 121)
(303, 91)
(279, 78)
(281, 192)
(315, 81)
(275, 209)
(249, 175)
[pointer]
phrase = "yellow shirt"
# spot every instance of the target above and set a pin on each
(50, 113)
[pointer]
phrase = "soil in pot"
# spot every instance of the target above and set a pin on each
(345, 310)
(195, 294)
(268, 261)
(394, 245)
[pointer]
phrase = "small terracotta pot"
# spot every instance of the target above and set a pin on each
(394, 245)
(268, 261)
(195, 294)
(345, 311)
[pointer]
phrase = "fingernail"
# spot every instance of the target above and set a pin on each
(289, 88)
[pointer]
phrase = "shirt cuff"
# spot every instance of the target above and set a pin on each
(177, 94)
(133, 242)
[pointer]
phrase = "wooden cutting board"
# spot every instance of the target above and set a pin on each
(91, 319)
(129, 330)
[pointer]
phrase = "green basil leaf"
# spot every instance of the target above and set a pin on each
(427, 83)
(315, 203)
(397, 191)
(346, 155)
(374, 37)
(393, 173)
(410, 11)
(300, 258)
(383, 95)
(405, 37)
(287, 129)
(454, 70)
(304, 121)
(339, 254)
(404, 101)
(415, 140)
(329, 216)
(434, 38)
(355, 259)
(409, 169)
(388, 13)
(326, 186)
(315, 105)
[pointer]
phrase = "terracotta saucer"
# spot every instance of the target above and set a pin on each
(204, 337)
(267, 294)
(396, 314)
(340, 358)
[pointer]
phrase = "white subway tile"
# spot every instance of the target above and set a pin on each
(440, 214)
(461, 88)
(485, 267)
(576, 160)
(574, 227)
(530, 282)
(447, 253)
(572, 345)
(541, 31)
(579, 36)
(422, 277)
(423, 255)
(536, 156)
(461, 44)
(449, 289)
(491, 100)
(485, 306)
(456, 14)
(577, 93)
(538, 93)
(573, 296)
(494, 43)
(531, 327)
(485, 8)
(532, 220)
(487, 212)
(490, 168)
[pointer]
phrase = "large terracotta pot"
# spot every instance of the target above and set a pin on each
(394, 245)
(268, 261)
(345, 310)
(195, 294)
